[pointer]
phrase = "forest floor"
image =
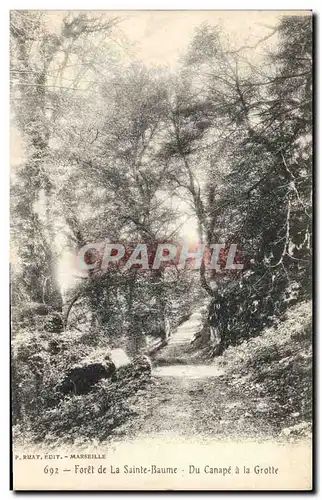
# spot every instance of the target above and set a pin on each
(190, 397)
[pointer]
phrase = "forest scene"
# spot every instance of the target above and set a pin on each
(109, 146)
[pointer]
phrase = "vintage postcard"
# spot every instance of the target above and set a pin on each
(161, 250)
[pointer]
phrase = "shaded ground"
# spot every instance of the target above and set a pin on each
(187, 398)
(202, 406)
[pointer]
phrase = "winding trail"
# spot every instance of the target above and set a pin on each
(193, 399)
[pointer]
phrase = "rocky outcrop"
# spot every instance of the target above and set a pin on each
(139, 366)
(81, 379)
(119, 358)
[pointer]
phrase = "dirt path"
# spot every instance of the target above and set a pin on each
(187, 398)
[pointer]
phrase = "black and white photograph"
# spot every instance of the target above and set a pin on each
(161, 248)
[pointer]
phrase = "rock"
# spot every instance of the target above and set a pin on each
(302, 429)
(119, 358)
(80, 379)
(140, 365)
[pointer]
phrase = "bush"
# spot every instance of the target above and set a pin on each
(41, 363)
(278, 364)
